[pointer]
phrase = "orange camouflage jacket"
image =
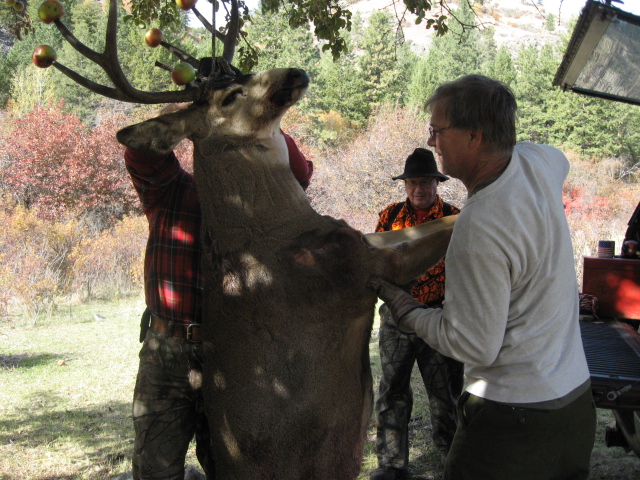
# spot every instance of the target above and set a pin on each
(430, 287)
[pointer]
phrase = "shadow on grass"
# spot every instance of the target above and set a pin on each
(24, 360)
(98, 435)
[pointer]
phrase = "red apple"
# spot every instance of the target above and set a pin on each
(50, 11)
(186, 5)
(44, 56)
(183, 73)
(153, 37)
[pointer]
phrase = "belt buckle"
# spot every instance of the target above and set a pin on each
(190, 331)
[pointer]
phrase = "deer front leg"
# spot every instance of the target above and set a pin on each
(394, 237)
(408, 253)
(160, 135)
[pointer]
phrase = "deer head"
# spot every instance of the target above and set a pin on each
(246, 107)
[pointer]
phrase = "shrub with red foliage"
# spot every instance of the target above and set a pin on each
(575, 202)
(57, 167)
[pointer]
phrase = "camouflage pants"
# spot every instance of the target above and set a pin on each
(443, 379)
(168, 409)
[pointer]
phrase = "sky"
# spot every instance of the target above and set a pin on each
(569, 7)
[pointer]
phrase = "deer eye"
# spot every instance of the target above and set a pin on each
(229, 99)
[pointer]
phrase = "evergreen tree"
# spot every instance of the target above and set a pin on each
(591, 126)
(488, 47)
(539, 104)
(88, 22)
(16, 66)
(85, 21)
(599, 128)
(342, 87)
(502, 68)
(451, 56)
(138, 60)
(280, 46)
(379, 65)
(424, 79)
(550, 24)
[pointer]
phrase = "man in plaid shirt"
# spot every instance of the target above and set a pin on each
(167, 406)
(442, 376)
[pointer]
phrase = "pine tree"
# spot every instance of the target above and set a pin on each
(379, 65)
(342, 87)
(502, 67)
(451, 56)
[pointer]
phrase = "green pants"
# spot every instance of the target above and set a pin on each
(443, 379)
(495, 441)
(168, 409)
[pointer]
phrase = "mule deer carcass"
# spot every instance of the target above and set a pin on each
(287, 314)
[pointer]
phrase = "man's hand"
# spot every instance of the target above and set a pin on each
(399, 302)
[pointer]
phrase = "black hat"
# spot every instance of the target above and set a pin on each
(421, 163)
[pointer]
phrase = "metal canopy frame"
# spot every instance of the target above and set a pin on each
(603, 55)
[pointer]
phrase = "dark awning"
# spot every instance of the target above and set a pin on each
(603, 55)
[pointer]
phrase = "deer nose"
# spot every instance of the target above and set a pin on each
(298, 76)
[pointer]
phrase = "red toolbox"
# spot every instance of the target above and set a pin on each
(615, 282)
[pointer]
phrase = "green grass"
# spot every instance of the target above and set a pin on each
(73, 421)
(69, 421)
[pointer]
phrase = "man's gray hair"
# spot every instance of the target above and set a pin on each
(480, 103)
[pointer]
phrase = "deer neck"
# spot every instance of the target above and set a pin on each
(246, 188)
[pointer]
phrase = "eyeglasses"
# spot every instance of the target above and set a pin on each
(435, 131)
(420, 183)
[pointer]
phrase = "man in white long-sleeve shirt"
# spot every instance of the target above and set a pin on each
(511, 313)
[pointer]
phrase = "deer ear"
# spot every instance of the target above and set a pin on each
(157, 136)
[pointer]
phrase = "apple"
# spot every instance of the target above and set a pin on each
(50, 11)
(183, 73)
(153, 37)
(186, 5)
(44, 56)
(18, 6)
(10, 3)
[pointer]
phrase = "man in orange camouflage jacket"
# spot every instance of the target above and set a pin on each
(442, 376)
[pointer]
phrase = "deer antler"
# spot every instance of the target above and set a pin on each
(233, 28)
(108, 61)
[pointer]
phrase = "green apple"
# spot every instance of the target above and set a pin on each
(153, 37)
(18, 6)
(186, 5)
(183, 73)
(10, 3)
(50, 11)
(44, 56)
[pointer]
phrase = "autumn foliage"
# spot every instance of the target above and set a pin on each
(58, 167)
(71, 226)
(354, 181)
(111, 262)
(65, 212)
(44, 260)
(34, 254)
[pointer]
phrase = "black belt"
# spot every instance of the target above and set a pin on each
(187, 331)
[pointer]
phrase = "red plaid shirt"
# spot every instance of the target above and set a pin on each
(173, 278)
